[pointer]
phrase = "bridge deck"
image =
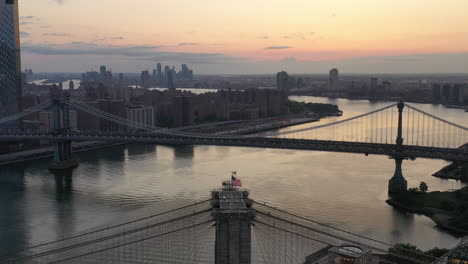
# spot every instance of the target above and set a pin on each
(407, 151)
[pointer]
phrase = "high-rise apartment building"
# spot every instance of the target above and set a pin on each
(102, 71)
(145, 79)
(282, 80)
(333, 80)
(142, 115)
(10, 59)
(121, 79)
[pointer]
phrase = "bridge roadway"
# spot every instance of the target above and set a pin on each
(406, 151)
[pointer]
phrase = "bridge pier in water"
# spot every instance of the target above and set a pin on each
(233, 214)
(62, 149)
(397, 183)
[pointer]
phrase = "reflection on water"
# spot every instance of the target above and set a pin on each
(63, 185)
(13, 234)
(126, 182)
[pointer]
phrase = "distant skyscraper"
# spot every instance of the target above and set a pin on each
(334, 79)
(185, 73)
(282, 79)
(166, 71)
(10, 59)
(462, 94)
(108, 79)
(170, 80)
(159, 72)
(103, 71)
(121, 79)
(71, 85)
(373, 84)
(145, 79)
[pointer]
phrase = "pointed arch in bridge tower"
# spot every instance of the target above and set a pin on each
(63, 159)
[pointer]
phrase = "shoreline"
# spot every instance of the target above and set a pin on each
(460, 107)
(440, 217)
(455, 170)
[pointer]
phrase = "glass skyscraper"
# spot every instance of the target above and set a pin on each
(10, 59)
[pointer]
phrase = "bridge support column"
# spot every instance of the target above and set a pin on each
(233, 214)
(62, 149)
(397, 183)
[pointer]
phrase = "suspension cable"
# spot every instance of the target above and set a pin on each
(94, 241)
(114, 226)
(133, 242)
(335, 228)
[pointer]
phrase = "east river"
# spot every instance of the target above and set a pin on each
(119, 183)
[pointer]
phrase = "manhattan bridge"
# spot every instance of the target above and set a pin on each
(230, 228)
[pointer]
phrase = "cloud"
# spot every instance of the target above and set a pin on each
(77, 42)
(60, 2)
(24, 34)
(137, 52)
(84, 48)
(56, 34)
(295, 36)
(290, 59)
(277, 47)
(188, 44)
(117, 38)
(27, 20)
(404, 59)
(263, 37)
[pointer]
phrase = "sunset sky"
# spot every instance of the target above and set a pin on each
(246, 36)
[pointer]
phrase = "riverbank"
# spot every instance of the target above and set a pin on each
(300, 113)
(389, 99)
(255, 126)
(448, 210)
(455, 171)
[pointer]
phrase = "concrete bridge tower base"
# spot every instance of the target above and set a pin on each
(397, 183)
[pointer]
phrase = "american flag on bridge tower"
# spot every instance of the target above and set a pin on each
(235, 181)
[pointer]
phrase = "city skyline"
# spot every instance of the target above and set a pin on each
(235, 38)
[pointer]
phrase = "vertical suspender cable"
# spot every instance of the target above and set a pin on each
(407, 125)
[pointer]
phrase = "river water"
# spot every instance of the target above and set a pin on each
(127, 182)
